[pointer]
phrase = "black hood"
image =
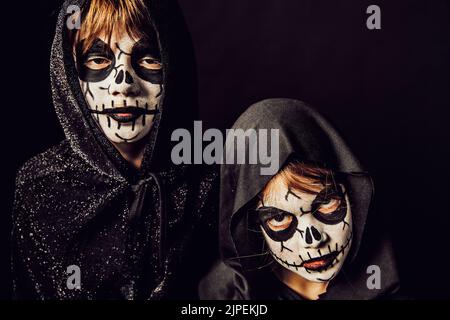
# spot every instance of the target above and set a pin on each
(176, 110)
(305, 134)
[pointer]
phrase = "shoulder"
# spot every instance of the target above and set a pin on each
(57, 158)
(223, 283)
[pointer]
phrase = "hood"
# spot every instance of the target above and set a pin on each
(303, 132)
(177, 107)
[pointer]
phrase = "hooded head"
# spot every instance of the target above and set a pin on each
(310, 216)
(116, 68)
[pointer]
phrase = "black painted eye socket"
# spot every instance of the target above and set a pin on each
(280, 222)
(279, 225)
(330, 206)
(149, 63)
(96, 63)
(146, 60)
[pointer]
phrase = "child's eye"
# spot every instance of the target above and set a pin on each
(280, 222)
(330, 206)
(97, 63)
(150, 63)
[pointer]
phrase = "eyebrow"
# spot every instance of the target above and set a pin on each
(98, 46)
(268, 212)
(292, 193)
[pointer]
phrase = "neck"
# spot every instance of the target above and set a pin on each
(132, 152)
(308, 289)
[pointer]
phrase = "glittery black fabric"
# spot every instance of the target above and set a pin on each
(135, 234)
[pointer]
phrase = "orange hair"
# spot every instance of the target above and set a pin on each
(302, 177)
(104, 17)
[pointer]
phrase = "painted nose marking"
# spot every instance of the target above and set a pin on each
(312, 233)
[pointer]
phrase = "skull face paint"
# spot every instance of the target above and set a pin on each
(309, 234)
(122, 84)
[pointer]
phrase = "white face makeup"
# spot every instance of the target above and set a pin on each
(122, 85)
(309, 234)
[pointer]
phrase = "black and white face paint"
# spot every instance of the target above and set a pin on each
(308, 234)
(122, 85)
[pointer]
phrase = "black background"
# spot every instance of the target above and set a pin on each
(386, 90)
